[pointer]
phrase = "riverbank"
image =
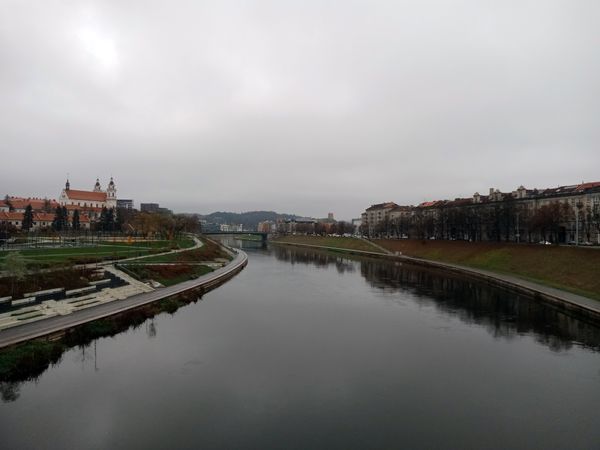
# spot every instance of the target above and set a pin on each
(30, 359)
(582, 305)
(58, 324)
(575, 270)
(341, 243)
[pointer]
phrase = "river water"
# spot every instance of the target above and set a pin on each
(307, 350)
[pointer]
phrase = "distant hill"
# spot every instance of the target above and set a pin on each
(248, 219)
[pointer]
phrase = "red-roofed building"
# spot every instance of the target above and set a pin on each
(19, 204)
(40, 220)
(376, 215)
(563, 214)
(89, 202)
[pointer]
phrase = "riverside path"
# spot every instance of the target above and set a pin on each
(55, 324)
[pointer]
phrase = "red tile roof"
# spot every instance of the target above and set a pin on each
(92, 196)
(37, 204)
(11, 216)
(43, 217)
(429, 204)
(83, 208)
(382, 206)
(586, 186)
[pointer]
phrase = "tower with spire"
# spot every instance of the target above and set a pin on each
(89, 203)
(111, 194)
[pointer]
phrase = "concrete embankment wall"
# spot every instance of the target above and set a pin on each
(582, 307)
(56, 326)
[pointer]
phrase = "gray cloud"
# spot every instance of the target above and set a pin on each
(303, 107)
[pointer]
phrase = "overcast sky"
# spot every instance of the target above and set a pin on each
(298, 106)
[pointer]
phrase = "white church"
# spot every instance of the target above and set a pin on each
(89, 202)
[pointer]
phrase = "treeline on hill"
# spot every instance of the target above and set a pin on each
(249, 219)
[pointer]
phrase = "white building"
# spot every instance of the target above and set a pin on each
(89, 202)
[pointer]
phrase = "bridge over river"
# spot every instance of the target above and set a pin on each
(264, 236)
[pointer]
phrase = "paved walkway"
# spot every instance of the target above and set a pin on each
(558, 297)
(197, 244)
(57, 323)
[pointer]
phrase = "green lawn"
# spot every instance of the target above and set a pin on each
(167, 275)
(208, 252)
(106, 251)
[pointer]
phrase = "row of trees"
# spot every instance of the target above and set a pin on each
(110, 220)
(508, 220)
(320, 228)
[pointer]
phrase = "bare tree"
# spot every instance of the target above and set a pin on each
(595, 219)
(16, 268)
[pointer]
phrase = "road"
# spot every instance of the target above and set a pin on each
(55, 324)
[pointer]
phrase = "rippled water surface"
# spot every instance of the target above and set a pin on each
(305, 349)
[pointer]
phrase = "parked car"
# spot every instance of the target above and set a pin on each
(545, 242)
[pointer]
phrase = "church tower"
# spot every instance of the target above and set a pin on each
(111, 194)
(97, 187)
(67, 185)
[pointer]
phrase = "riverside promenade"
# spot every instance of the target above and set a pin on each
(56, 324)
(560, 299)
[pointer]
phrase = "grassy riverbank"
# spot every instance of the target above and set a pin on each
(332, 242)
(178, 267)
(167, 274)
(208, 252)
(572, 269)
(569, 268)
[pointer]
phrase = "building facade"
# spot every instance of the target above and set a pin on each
(125, 204)
(149, 207)
(41, 221)
(565, 214)
(91, 202)
(377, 216)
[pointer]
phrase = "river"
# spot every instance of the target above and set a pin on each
(312, 350)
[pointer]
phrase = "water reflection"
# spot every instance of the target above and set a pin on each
(29, 361)
(503, 314)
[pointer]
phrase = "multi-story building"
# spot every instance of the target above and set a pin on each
(300, 225)
(41, 220)
(227, 228)
(19, 204)
(267, 226)
(125, 203)
(566, 214)
(149, 207)
(376, 215)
